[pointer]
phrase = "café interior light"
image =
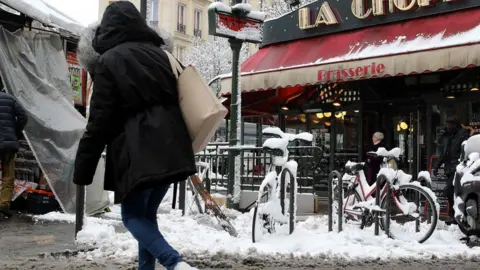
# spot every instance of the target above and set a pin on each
(474, 89)
(337, 104)
(327, 114)
(403, 125)
(284, 108)
(328, 124)
(320, 115)
(450, 97)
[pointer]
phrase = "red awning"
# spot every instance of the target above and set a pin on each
(422, 45)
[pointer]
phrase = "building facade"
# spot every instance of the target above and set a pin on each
(184, 19)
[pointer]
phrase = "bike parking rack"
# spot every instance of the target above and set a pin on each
(331, 176)
(380, 179)
(339, 176)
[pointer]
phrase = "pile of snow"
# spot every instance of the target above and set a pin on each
(199, 235)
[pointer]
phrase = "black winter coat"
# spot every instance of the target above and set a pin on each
(13, 119)
(452, 142)
(373, 164)
(134, 110)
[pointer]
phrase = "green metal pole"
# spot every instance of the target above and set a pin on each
(233, 172)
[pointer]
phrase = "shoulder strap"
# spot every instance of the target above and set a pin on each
(176, 68)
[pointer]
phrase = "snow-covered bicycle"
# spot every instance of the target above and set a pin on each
(270, 211)
(410, 200)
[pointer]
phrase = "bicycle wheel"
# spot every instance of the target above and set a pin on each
(262, 223)
(292, 211)
(414, 201)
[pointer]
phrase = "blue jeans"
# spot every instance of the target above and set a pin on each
(139, 215)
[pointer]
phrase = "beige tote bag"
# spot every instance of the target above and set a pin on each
(201, 109)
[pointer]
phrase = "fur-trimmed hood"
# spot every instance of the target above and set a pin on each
(87, 56)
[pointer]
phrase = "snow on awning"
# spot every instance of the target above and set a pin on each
(45, 13)
(422, 45)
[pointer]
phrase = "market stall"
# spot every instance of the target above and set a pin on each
(38, 66)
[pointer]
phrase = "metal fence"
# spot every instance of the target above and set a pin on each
(255, 162)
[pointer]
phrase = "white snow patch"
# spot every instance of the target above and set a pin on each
(43, 12)
(383, 48)
(382, 152)
(242, 6)
(310, 237)
(425, 175)
(219, 6)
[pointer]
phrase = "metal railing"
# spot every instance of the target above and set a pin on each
(197, 33)
(181, 28)
(255, 163)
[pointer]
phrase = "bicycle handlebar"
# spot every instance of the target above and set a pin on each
(278, 133)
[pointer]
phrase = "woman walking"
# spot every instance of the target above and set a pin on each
(135, 112)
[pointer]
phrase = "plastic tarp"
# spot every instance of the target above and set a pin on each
(34, 69)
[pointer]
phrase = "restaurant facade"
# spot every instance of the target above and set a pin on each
(346, 69)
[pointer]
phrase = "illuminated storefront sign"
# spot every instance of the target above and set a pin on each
(348, 73)
(330, 16)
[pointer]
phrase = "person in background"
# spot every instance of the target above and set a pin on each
(374, 163)
(135, 112)
(452, 139)
(13, 119)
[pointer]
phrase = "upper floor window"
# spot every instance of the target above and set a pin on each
(181, 20)
(197, 23)
(153, 12)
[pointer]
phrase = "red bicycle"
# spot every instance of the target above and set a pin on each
(414, 209)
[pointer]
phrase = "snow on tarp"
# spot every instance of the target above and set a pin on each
(43, 12)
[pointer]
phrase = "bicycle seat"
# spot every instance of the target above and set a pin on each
(276, 146)
(276, 132)
(382, 152)
(354, 167)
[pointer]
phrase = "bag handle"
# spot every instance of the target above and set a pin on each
(176, 68)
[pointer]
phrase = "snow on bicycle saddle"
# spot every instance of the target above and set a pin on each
(273, 132)
(382, 152)
(354, 167)
(276, 146)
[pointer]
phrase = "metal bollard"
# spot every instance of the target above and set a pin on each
(182, 196)
(330, 202)
(387, 210)
(331, 176)
(79, 208)
(340, 201)
(377, 202)
(174, 199)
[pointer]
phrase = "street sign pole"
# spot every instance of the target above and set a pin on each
(239, 24)
(235, 115)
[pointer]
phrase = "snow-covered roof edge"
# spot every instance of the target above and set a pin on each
(44, 13)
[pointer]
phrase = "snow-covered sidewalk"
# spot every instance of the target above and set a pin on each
(201, 234)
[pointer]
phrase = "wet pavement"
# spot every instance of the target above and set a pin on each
(21, 236)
